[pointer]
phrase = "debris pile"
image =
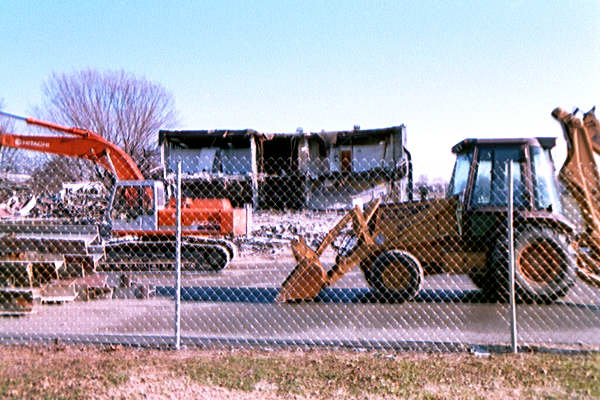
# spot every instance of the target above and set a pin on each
(77, 202)
(16, 199)
(272, 231)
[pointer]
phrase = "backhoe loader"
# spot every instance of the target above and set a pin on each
(397, 244)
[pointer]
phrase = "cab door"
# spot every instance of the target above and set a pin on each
(133, 207)
(490, 188)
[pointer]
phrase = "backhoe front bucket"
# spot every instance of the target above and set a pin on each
(588, 269)
(307, 279)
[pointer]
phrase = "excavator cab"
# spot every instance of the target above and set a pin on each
(134, 205)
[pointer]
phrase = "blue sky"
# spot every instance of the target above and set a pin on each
(447, 70)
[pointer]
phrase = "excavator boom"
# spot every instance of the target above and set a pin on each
(82, 144)
(88, 148)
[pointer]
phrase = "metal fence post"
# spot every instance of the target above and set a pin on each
(178, 261)
(511, 258)
(248, 210)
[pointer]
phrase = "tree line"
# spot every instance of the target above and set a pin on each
(125, 109)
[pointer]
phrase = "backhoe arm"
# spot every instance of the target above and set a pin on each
(580, 176)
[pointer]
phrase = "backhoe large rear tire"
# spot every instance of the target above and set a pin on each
(544, 265)
(396, 276)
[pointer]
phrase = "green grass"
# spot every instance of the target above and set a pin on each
(71, 372)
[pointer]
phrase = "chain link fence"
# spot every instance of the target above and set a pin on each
(136, 263)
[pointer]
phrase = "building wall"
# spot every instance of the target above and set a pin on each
(211, 159)
(293, 171)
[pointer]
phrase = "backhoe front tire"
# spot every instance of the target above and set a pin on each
(396, 276)
(544, 266)
(479, 278)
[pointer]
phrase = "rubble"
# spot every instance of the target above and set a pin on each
(83, 202)
(273, 230)
(13, 198)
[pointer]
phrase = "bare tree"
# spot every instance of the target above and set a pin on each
(8, 156)
(124, 109)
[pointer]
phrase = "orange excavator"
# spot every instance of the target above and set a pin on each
(142, 220)
(397, 244)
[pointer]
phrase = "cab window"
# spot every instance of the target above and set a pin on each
(490, 187)
(544, 184)
(131, 202)
(460, 175)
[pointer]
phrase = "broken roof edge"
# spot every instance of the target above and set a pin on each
(163, 134)
(334, 136)
(330, 136)
(359, 131)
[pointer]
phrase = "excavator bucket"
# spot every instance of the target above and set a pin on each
(307, 278)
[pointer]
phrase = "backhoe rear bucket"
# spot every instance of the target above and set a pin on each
(307, 279)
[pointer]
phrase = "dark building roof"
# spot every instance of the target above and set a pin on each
(204, 138)
(240, 137)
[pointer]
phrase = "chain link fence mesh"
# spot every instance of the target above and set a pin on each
(96, 261)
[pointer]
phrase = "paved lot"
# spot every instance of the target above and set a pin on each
(237, 308)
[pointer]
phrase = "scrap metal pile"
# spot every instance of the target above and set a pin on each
(47, 261)
(83, 203)
(46, 245)
(14, 199)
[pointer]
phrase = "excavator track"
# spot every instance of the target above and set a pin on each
(197, 254)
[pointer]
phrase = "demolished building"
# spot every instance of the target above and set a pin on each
(322, 170)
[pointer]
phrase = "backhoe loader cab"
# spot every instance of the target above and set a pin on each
(479, 176)
(545, 262)
(466, 233)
